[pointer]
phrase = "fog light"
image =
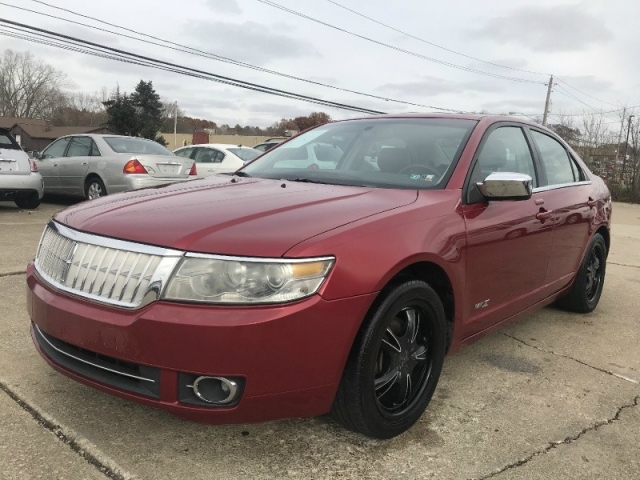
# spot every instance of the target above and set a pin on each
(215, 390)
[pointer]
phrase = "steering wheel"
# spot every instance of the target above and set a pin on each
(419, 168)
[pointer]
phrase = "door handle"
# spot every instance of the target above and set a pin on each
(592, 203)
(543, 214)
(84, 163)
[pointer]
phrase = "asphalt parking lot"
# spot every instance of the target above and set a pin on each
(553, 395)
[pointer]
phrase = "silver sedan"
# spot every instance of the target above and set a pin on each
(94, 165)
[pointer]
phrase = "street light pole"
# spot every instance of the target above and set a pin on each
(626, 145)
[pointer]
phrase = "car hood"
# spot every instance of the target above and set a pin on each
(231, 216)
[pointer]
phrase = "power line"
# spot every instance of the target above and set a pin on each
(398, 49)
(397, 30)
(209, 55)
(155, 63)
(584, 93)
(566, 93)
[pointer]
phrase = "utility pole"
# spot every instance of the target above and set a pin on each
(175, 125)
(547, 103)
(624, 115)
(626, 144)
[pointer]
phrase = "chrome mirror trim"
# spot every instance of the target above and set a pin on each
(506, 186)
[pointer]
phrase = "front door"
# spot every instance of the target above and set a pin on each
(49, 164)
(75, 164)
(508, 241)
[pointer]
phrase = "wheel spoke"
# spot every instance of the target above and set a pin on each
(404, 382)
(413, 325)
(384, 383)
(392, 341)
(420, 354)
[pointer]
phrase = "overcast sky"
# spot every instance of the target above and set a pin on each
(592, 45)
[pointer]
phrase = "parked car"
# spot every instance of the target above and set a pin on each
(92, 165)
(269, 144)
(213, 158)
(20, 180)
(285, 291)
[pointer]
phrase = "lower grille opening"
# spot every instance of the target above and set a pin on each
(111, 371)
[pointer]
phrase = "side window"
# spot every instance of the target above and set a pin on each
(185, 152)
(56, 149)
(95, 151)
(505, 150)
(79, 147)
(205, 155)
(219, 157)
(557, 163)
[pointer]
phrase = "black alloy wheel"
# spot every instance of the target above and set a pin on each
(587, 286)
(403, 362)
(395, 362)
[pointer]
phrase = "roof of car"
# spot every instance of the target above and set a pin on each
(219, 145)
(459, 116)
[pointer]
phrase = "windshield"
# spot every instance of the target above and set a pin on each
(136, 145)
(391, 153)
(245, 154)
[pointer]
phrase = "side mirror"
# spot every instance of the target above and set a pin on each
(35, 154)
(506, 186)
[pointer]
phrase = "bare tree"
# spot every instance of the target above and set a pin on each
(29, 87)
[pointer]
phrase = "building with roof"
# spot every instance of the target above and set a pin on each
(36, 134)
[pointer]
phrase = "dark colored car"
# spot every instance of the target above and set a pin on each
(301, 290)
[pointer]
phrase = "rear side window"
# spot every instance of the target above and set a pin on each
(7, 142)
(559, 166)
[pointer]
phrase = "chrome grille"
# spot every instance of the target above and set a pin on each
(110, 271)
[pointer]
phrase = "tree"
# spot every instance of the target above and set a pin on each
(149, 108)
(122, 115)
(138, 115)
(314, 119)
(29, 88)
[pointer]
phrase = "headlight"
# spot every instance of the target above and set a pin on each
(242, 281)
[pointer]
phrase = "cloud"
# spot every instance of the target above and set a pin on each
(224, 6)
(547, 29)
(250, 41)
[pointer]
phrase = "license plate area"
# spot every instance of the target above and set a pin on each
(169, 169)
(8, 165)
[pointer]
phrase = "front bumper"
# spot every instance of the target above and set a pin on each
(291, 356)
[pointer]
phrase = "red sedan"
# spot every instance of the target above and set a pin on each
(332, 274)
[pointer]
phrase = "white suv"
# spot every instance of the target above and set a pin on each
(19, 177)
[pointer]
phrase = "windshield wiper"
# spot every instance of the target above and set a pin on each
(242, 174)
(308, 180)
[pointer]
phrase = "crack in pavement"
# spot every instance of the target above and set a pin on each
(623, 264)
(110, 471)
(567, 441)
(608, 372)
(11, 274)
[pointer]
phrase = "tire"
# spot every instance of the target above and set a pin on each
(94, 188)
(374, 396)
(29, 203)
(587, 286)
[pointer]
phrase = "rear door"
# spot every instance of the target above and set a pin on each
(568, 193)
(508, 241)
(75, 164)
(49, 164)
(208, 161)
